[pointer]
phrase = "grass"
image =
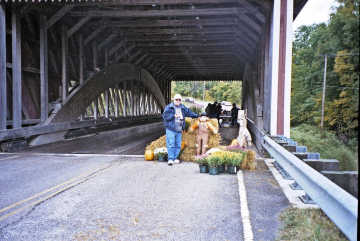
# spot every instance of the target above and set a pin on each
(308, 225)
(328, 145)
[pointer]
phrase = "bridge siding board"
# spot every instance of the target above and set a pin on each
(281, 73)
(64, 63)
(3, 84)
(16, 70)
(44, 92)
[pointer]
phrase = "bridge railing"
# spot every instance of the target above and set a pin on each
(25, 132)
(340, 206)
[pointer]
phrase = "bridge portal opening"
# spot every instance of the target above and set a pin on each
(67, 66)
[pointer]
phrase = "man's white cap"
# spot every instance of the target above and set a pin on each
(177, 96)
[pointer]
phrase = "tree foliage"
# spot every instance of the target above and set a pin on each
(339, 41)
(210, 90)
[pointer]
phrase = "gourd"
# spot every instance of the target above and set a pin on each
(183, 145)
(194, 126)
(149, 155)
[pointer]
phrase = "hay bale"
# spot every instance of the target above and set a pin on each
(249, 162)
(189, 152)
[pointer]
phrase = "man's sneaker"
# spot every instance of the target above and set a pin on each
(177, 161)
(170, 162)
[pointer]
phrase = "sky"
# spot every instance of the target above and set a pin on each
(314, 11)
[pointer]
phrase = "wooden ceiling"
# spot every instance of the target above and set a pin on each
(189, 39)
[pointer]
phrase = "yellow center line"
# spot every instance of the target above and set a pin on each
(76, 179)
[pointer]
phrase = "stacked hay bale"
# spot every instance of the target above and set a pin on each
(188, 154)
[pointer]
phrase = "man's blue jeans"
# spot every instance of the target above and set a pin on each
(173, 143)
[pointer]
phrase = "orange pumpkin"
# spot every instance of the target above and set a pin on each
(149, 155)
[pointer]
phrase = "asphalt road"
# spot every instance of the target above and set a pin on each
(126, 198)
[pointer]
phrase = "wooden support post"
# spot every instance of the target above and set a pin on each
(125, 98)
(16, 70)
(44, 94)
(3, 84)
(106, 91)
(111, 102)
(81, 59)
(116, 102)
(131, 95)
(107, 103)
(64, 63)
(96, 107)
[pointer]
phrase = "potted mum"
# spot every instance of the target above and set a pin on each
(213, 165)
(161, 154)
(221, 163)
(203, 165)
(234, 162)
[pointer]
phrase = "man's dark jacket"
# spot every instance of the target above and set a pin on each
(169, 116)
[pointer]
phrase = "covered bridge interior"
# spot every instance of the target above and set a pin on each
(67, 65)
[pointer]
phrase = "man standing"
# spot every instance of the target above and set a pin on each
(174, 121)
(234, 115)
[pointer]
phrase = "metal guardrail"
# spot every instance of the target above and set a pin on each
(340, 206)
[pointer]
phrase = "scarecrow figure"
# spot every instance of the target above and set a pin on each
(204, 126)
(244, 138)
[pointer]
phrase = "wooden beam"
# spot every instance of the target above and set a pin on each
(106, 41)
(44, 82)
(25, 9)
(25, 122)
(117, 47)
(94, 34)
(143, 24)
(64, 63)
(59, 14)
(127, 51)
(3, 83)
(16, 70)
(158, 13)
(179, 31)
(187, 44)
(132, 57)
(190, 37)
(156, 3)
(219, 53)
(137, 62)
(77, 26)
(94, 54)
(81, 59)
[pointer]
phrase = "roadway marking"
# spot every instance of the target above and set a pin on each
(245, 215)
(66, 185)
(9, 157)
